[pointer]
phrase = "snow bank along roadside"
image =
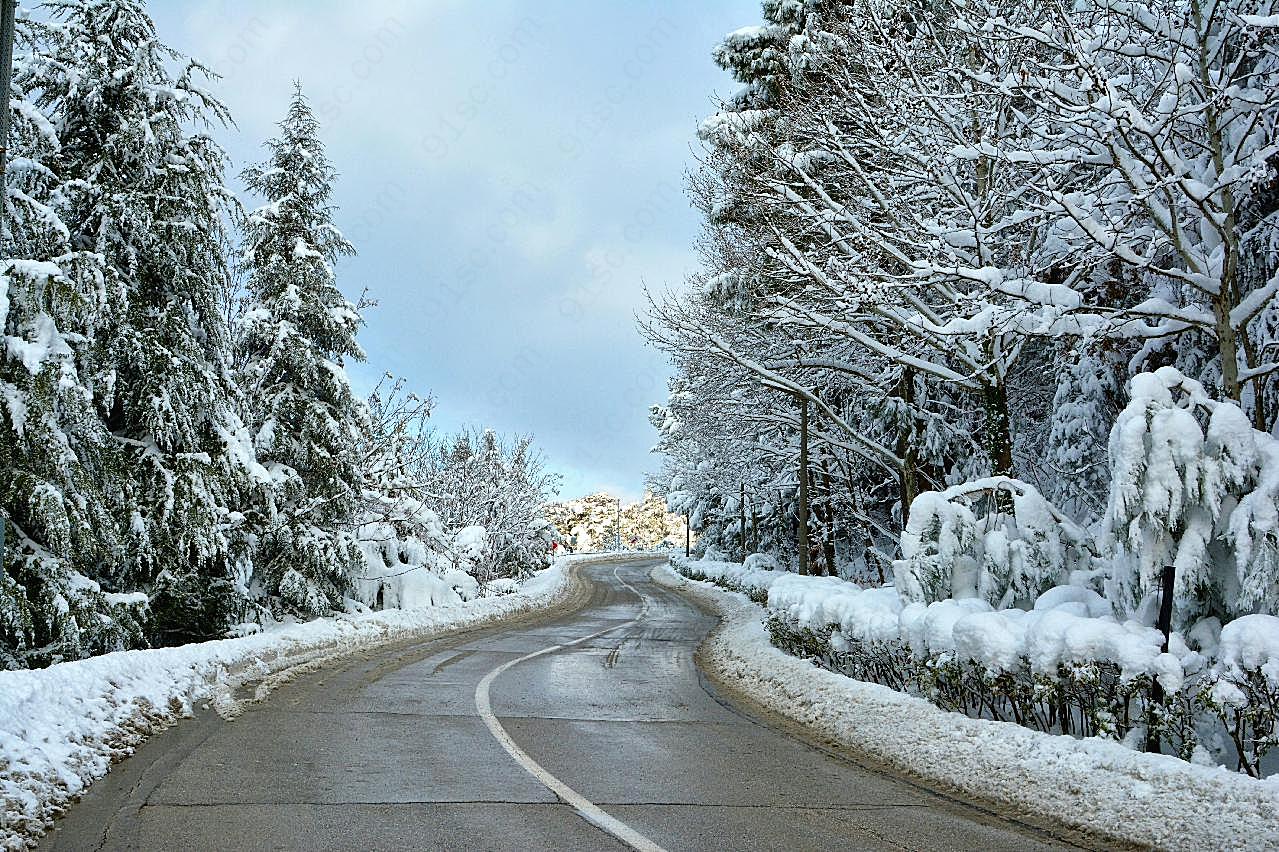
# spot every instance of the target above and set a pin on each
(1093, 784)
(1067, 665)
(62, 727)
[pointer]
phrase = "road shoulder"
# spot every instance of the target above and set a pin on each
(1059, 787)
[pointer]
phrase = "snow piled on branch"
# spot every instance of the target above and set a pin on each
(1195, 486)
(1008, 556)
(1095, 785)
(62, 727)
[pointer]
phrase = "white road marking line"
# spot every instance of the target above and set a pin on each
(585, 808)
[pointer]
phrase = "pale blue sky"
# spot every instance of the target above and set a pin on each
(512, 178)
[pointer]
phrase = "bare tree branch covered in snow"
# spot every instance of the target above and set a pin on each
(958, 230)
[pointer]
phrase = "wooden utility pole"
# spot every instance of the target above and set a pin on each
(828, 538)
(8, 9)
(803, 486)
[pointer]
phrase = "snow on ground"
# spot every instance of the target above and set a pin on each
(1068, 625)
(62, 727)
(1093, 784)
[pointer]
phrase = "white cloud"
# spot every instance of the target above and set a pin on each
(438, 115)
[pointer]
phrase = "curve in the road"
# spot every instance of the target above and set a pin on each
(587, 809)
(600, 703)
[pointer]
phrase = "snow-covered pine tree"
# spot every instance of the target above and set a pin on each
(59, 459)
(1085, 403)
(144, 189)
(295, 335)
(1195, 487)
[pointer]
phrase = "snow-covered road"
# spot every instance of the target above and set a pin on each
(568, 732)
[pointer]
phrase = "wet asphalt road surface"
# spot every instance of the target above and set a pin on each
(390, 752)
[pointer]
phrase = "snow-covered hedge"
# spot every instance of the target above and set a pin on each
(1066, 666)
(749, 580)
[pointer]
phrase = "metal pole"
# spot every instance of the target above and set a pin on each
(8, 9)
(619, 524)
(803, 486)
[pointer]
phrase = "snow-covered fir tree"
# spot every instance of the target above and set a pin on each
(144, 190)
(61, 463)
(297, 332)
(166, 477)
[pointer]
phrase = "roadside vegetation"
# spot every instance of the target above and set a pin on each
(185, 453)
(985, 334)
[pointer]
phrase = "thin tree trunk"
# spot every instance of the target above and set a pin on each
(1227, 346)
(906, 450)
(999, 439)
(802, 532)
(829, 540)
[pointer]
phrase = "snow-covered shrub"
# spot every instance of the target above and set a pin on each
(1193, 485)
(1243, 687)
(471, 546)
(995, 539)
(406, 557)
(1068, 665)
(752, 582)
(529, 550)
(761, 562)
(301, 595)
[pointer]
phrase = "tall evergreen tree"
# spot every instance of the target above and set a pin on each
(59, 460)
(145, 191)
(296, 333)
